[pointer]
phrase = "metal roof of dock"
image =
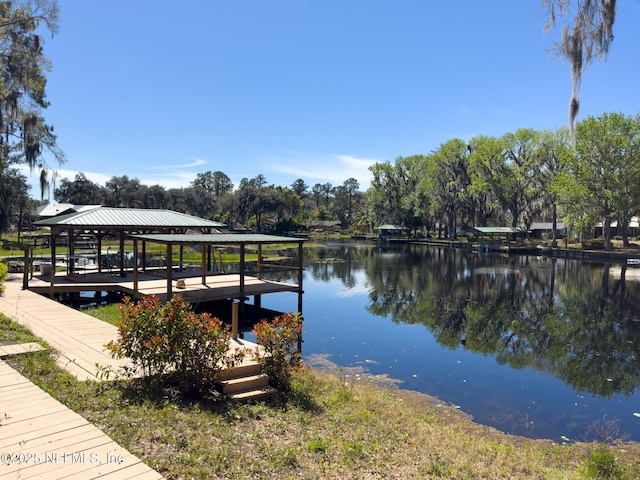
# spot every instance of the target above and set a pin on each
(216, 238)
(129, 218)
(495, 230)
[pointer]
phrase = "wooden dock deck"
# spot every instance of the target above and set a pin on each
(53, 441)
(78, 338)
(215, 287)
(41, 438)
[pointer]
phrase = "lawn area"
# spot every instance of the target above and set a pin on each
(334, 423)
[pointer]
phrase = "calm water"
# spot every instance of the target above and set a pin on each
(529, 345)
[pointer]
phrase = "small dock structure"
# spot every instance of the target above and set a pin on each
(137, 275)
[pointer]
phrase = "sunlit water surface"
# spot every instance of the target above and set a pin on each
(530, 345)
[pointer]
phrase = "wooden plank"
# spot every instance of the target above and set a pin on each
(29, 411)
(16, 397)
(51, 441)
(17, 349)
(79, 338)
(16, 432)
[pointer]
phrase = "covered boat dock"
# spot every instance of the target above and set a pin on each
(136, 276)
(220, 286)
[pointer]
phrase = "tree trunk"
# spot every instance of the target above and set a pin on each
(554, 226)
(623, 223)
(606, 230)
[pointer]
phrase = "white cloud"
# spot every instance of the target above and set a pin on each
(330, 168)
(313, 168)
(196, 162)
(174, 179)
(95, 177)
(55, 176)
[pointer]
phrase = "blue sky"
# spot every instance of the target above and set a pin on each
(318, 90)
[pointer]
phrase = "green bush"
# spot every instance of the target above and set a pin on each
(280, 339)
(4, 271)
(601, 464)
(593, 244)
(171, 339)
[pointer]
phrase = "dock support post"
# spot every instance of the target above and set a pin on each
(99, 248)
(169, 271)
(27, 267)
(234, 320)
(242, 267)
(135, 268)
(52, 274)
(122, 272)
(300, 276)
(203, 263)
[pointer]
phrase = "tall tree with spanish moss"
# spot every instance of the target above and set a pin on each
(24, 135)
(586, 33)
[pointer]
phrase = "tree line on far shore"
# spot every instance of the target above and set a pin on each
(515, 179)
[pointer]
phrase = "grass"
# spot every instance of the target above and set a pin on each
(331, 425)
(12, 332)
(109, 313)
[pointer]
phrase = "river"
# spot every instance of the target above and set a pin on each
(535, 346)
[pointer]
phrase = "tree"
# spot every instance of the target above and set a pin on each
(124, 192)
(155, 197)
(178, 199)
(384, 197)
(227, 209)
(344, 206)
(601, 178)
(14, 198)
(517, 190)
(486, 164)
(80, 191)
(317, 193)
(24, 135)
(327, 190)
(416, 202)
(555, 149)
(217, 183)
(287, 203)
(448, 181)
(589, 35)
(300, 187)
(259, 181)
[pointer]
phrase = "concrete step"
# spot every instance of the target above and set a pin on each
(243, 384)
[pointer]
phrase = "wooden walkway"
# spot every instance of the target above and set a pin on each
(39, 436)
(44, 438)
(78, 338)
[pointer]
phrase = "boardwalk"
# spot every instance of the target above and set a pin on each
(78, 338)
(40, 437)
(53, 441)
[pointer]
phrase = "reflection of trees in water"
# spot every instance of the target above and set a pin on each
(571, 319)
(339, 261)
(604, 333)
